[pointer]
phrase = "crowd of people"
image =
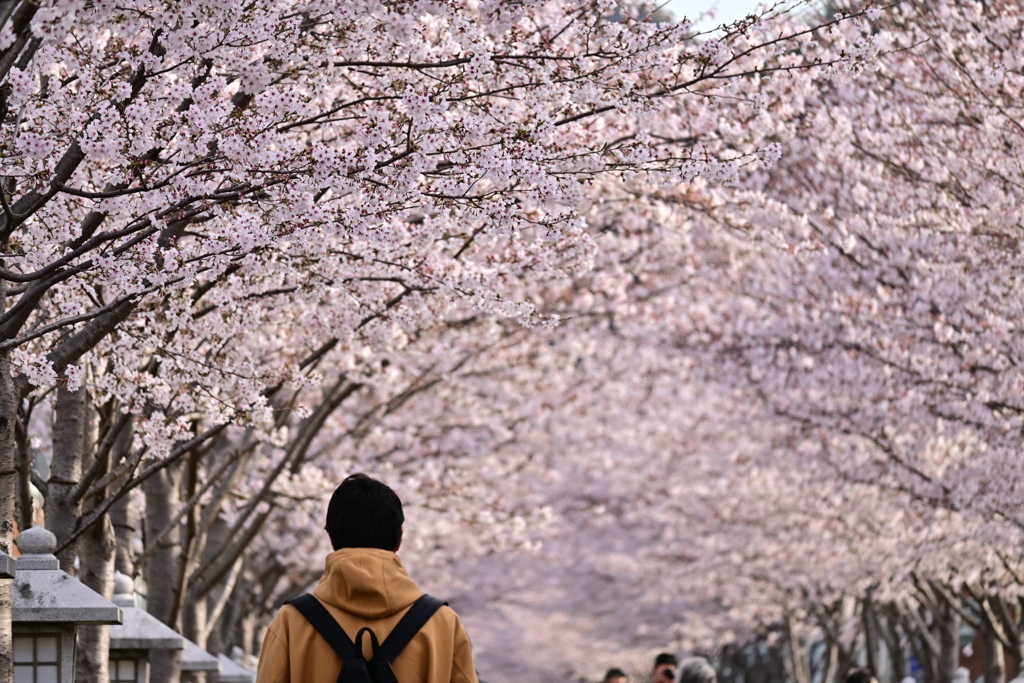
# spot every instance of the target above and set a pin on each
(668, 668)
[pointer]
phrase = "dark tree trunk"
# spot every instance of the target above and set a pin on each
(919, 645)
(799, 665)
(8, 491)
(165, 666)
(831, 663)
(995, 665)
(897, 657)
(163, 495)
(96, 558)
(208, 610)
(25, 508)
(63, 508)
(948, 623)
(123, 514)
(162, 569)
(125, 523)
(872, 636)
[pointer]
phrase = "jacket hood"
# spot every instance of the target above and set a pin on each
(367, 583)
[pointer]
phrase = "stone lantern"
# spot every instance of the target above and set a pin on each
(48, 607)
(139, 633)
(231, 672)
(196, 663)
(6, 566)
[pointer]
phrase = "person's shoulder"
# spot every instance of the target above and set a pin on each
(447, 619)
(444, 613)
(287, 611)
(283, 621)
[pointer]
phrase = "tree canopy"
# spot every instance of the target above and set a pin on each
(696, 338)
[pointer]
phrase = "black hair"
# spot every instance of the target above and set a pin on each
(859, 676)
(614, 673)
(364, 513)
(666, 658)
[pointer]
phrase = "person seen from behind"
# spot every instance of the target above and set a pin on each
(615, 676)
(696, 670)
(366, 592)
(665, 665)
(860, 676)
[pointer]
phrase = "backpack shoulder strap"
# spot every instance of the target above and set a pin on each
(317, 615)
(409, 626)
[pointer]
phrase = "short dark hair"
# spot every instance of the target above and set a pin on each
(364, 513)
(859, 676)
(666, 658)
(614, 673)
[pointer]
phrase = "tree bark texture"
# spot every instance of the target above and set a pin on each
(995, 664)
(948, 621)
(1009, 617)
(8, 492)
(63, 509)
(194, 621)
(162, 499)
(165, 666)
(799, 666)
(163, 495)
(872, 636)
(831, 663)
(124, 515)
(205, 611)
(96, 556)
(125, 522)
(96, 560)
(897, 656)
(24, 505)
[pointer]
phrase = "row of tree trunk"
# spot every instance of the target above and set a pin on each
(939, 631)
(197, 568)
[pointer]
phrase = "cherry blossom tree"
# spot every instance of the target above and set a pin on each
(219, 222)
(862, 292)
(855, 309)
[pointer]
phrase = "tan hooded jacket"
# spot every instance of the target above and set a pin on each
(365, 587)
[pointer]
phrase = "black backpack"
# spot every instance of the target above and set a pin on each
(354, 668)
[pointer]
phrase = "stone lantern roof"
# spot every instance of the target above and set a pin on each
(195, 658)
(230, 672)
(139, 630)
(6, 566)
(45, 594)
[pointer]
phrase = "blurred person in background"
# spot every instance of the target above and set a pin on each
(696, 670)
(665, 666)
(616, 676)
(861, 676)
